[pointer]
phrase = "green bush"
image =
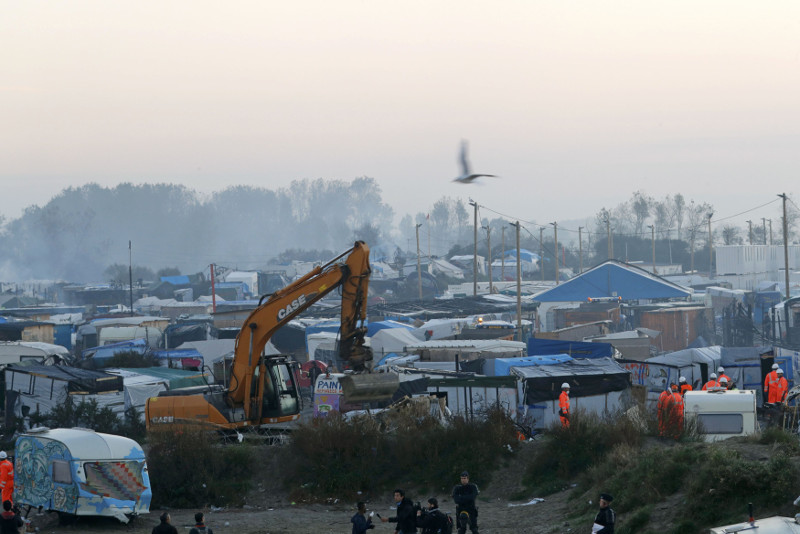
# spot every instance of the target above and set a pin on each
(87, 414)
(567, 452)
(188, 470)
(331, 455)
(723, 484)
(784, 440)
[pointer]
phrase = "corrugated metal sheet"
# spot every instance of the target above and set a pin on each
(678, 326)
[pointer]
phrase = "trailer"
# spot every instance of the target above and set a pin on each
(79, 472)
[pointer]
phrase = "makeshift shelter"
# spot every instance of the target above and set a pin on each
(375, 326)
(138, 387)
(657, 373)
(611, 279)
(81, 472)
(16, 351)
(96, 357)
(392, 340)
(179, 358)
(41, 388)
(596, 386)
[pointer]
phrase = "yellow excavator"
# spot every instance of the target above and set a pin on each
(262, 389)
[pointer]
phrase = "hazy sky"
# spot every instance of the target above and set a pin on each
(575, 104)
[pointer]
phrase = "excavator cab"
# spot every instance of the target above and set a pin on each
(281, 395)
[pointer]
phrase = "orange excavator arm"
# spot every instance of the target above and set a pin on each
(284, 305)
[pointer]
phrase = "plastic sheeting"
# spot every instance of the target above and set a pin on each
(576, 349)
(502, 366)
(585, 377)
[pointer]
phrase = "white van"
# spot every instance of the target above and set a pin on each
(722, 414)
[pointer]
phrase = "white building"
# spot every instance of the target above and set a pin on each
(745, 266)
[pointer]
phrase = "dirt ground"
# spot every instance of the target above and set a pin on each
(271, 512)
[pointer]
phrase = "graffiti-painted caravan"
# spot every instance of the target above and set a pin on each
(81, 472)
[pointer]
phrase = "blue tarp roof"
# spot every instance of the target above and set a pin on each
(524, 254)
(502, 366)
(138, 346)
(613, 279)
(376, 326)
(576, 349)
(178, 280)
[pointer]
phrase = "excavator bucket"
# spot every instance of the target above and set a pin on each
(368, 387)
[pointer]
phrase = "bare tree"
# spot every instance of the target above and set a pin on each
(730, 235)
(640, 204)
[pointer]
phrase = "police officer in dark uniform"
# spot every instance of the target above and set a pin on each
(464, 495)
(605, 518)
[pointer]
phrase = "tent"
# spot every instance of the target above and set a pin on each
(375, 326)
(392, 340)
(33, 388)
(138, 387)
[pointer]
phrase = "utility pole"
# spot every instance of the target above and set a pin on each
(691, 255)
(475, 254)
(489, 244)
(608, 238)
(750, 234)
(785, 244)
(555, 238)
(710, 247)
(503, 255)
(669, 242)
(770, 231)
(764, 228)
(130, 274)
(213, 290)
(541, 252)
(653, 239)
(519, 285)
(419, 266)
(580, 251)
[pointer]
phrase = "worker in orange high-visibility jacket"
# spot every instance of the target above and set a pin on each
(779, 390)
(563, 405)
(675, 409)
(770, 380)
(662, 410)
(721, 374)
(684, 386)
(712, 383)
(6, 477)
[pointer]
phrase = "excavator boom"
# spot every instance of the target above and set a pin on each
(261, 389)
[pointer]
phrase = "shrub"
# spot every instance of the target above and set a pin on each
(331, 455)
(188, 469)
(569, 451)
(87, 414)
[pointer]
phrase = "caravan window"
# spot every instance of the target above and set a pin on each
(61, 472)
(721, 423)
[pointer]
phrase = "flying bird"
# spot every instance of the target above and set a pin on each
(467, 177)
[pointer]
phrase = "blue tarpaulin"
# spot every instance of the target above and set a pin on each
(178, 280)
(502, 366)
(139, 346)
(576, 349)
